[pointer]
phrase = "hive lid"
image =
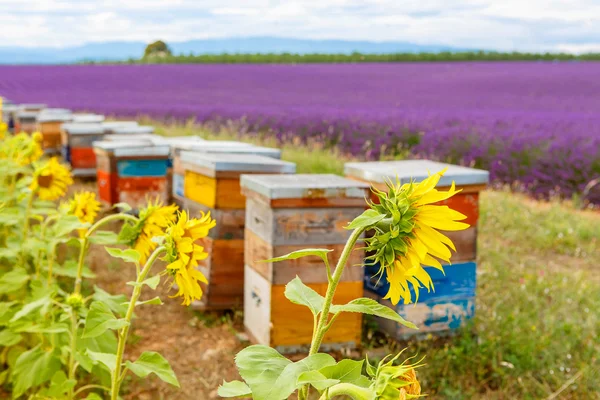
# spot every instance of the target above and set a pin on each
(304, 186)
(27, 114)
(212, 144)
(133, 130)
(182, 142)
(82, 128)
(32, 106)
(110, 125)
(123, 148)
(225, 162)
(88, 118)
(54, 117)
(418, 170)
(120, 137)
(56, 111)
(230, 149)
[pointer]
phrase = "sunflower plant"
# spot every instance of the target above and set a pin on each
(404, 241)
(59, 338)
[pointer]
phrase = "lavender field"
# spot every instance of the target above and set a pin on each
(535, 124)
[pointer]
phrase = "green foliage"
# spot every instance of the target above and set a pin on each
(290, 58)
(99, 319)
(372, 307)
(128, 255)
(158, 49)
(153, 363)
(298, 293)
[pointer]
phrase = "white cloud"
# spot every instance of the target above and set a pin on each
(533, 25)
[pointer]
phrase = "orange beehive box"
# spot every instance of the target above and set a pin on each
(212, 183)
(285, 213)
(49, 123)
(131, 172)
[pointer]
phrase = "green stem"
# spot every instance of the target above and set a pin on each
(26, 226)
(347, 389)
(110, 218)
(73, 346)
(116, 377)
(323, 325)
(83, 246)
(335, 279)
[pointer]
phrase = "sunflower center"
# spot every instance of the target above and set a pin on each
(45, 181)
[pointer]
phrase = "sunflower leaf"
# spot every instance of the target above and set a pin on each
(123, 207)
(234, 389)
(129, 255)
(106, 359)
(322, 253)
(151, 362)
(317, 380)
(100, 319)
(152, 282)
(372, 307)
(13, 280)
(104, 238)
(298, 293)
(368, 218)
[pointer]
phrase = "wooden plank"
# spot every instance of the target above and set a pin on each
(465, 243)
(51, 140)
(139, 168)
(50, 127)
(83, 157)
(293, 324)
(457, 280)
(200, 188)
(310, 269)
(305, 202)
(225, 273)
(301, 226)
(229, 194)
(257, 306)
(435, 316)
(136, 191)
(107, 186)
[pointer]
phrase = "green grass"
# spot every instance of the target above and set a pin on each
(536, 333)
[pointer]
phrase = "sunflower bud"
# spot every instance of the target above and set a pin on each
(75, 300)
(393, 382)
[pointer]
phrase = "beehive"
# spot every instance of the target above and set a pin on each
(77, 148)
(453, 301)
(131, 172)
(49, 124)
(26, 121)
(289, 213)
(209, 147)
(212, 183)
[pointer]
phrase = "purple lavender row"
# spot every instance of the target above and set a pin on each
(535, 123)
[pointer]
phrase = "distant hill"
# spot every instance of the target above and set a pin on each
(120, 51)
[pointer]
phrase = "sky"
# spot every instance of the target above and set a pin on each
(526, 25)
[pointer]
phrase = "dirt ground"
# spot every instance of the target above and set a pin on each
(200, 347)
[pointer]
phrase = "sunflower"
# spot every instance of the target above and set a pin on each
(51, 180)
(3, 129)
(153, 221)
(184, 254)
(22, 148)
(85, 207)
(407, 238)
(395, 381)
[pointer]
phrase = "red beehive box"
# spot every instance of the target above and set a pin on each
(131, 171)
(77, 146)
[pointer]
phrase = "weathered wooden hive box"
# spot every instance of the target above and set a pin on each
(49, 123)
(77, 146)
(289, 213)
(208, 147)
(131, 172)
(212, 183)
(453, 302)
(26, 121)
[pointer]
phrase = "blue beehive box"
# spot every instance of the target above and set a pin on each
(452, 303)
